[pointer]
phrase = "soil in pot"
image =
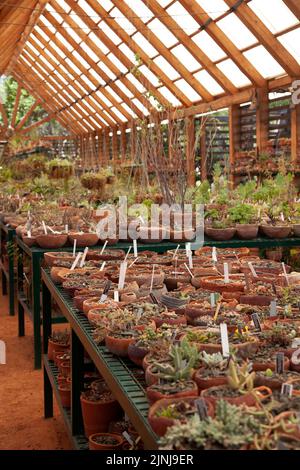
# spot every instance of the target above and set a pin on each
(178, 389)
(105, 441)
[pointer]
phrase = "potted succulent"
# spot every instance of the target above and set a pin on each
(212, 371)
(218, 226)
(59, 341)
(105, 441)
(245, 218)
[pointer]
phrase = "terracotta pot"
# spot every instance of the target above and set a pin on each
(52, 256)
(29, 241)
(136, 354)
(53, 346)
(83, 239)
(93, 445)
(220, 234)
(180, 236)
(160, 424)
(274, 254)
(194, 312)
(118, 346)
(107, 255)
(151, 377)
(178, 320)
(279, 231)
(296, 230)
(248, 399)
(65, 395)
(154, 395)
(52, 240)
(59, 359)
(247, 231)
(208, 382)
(271, 364)
(92, 303)
(260, 300)
(291, 428)
(128, 297)
(97, 415)
(210, 284)
(65, 368)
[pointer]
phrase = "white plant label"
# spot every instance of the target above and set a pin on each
(103, 248)
(224, 340)
(103, 265)
(2, 352)
(29, 233)
(190, 260)
(135, 251)
(66, 228)
(152, 278)
(226, 273)
(273, 308)
(76, 261)
(129, 250)
(253, 272)
(83, 257)
(122, 275)
(285, 273)
(188, 270)
(116, 296)
(74, 247)
(44, 227)
(176, 251)
(188, 249)
(214, 254)
(128, 438)
(212, 300)
(282, 216)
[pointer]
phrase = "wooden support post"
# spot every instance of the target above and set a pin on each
(295, 134)
(100, 148)
(190, 151)
(133, 142)
(234, 137)
(262, 119)
(203, 154)
(115, 149)
(123, 143)
(106, 147)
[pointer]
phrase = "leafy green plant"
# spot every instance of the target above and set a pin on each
(242, 214)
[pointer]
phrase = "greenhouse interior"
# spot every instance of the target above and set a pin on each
(149, 225)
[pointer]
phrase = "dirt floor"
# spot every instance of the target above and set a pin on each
(22, 426)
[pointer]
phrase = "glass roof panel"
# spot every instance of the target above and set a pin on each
(136, 82)
(122, 21)
(73, 66)
(187, 90)
(209, 82)
(128, 109)
(186, 58)
(183, 18)
(107, 4)
(88, 82)
(144, 44)
(43, 59)
(169, 96)
(57, 49)
(55, 15)
(140, 9)
(291, 42)
(107, 70)
(109, 32)
(163, 33)
(119, 114)
(239, 34)
(264, 62)
(64, 42)
(164, 3)
(274, 14)
(141, 106)
(128, 52)
(214, 8)
(42, 33)
(150, 75)
(98, 43)
(103, 98)
(96, 75)
(117, 62)
(36, 40)
(124, 88)
(61, 77)
(72, 33)
(166, 67)
(90, 53)
(231, 70)
(94, 121)
(33, 49)
(107, 114)
(89, 10)
(209, 46)
(80, 59)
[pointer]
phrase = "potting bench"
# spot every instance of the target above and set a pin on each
(125, 380)
(7, 235)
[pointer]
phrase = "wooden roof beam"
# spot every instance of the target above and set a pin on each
(28, 114)
(117, 52)
(33, 19)
(192, 47)
(216, 33)
(16, 106)
(294, 6)
(141, 53)
(4, 116)
(266, 38)
(163, 50)
(25, 130)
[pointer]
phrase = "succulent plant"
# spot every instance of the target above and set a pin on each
(213, 361)
(239, 377)
(183, 359)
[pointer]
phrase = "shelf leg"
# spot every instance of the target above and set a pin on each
(4, 283)
(48, 396)
(47, 324)
(11, 273)
(36, 310)
(77, 358)
(21, 321)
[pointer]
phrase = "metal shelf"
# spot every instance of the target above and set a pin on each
(125, 380)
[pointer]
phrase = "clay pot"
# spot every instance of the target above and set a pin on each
(160, 424)
(271, 364)
(52, 346)
(128, 297)
(65, 394)
(278, 231)
(172, 320)
(29, 241)
(93, 445)
(65, 368)
(208, 382)
(180, 236)
(98, 415)
(136, 354)
(259, 300)
(152, 234)
(220, 234)
(92, 303)
(194, 312)
(247, 231)
(247, 399)
(52, 240)
(107, 255)
(296, 230)
(274, 254)
(51, 257)
(154, 395)
(83, 239)
(118, 346)
(210, 284)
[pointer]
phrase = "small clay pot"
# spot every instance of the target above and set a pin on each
(52, 240)
(220, 234)
(83, 239)
(93, 445)
(247, 231)
(278, 231)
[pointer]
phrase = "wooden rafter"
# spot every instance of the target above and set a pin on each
(216, 33)
(163, 50)
(192, 47)
(16, 106)
(34, 16)
(266, 38)
(27, 115)
(4, 115)
(27, 129)
(83, 35)
(141, 53)
(294, 6)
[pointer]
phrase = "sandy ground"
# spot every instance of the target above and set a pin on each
(22, 426)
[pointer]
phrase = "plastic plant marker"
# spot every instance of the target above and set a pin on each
(285, 273)
(74, 247)
(253, 272)
(83, 257)
(105, 291)
(133, 262)
(123, 269)
(217, 311)
(103, 265)
(135, 251)
(201, 408)
(226, 273)
(188, 270)
(255, 319)
(152, 278)
(188, 249)
(273, 308)
(129, 250)
(116, 296)
(214, 254)
(286, 389)
(279, 363)
(190, 260)
(128, 438)
(212, 300)
(176, 251)
(295, 359)
(66, 228)
(44, 227)
(224, 340)
(76, 261)
(29, 233)
(103, 248)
